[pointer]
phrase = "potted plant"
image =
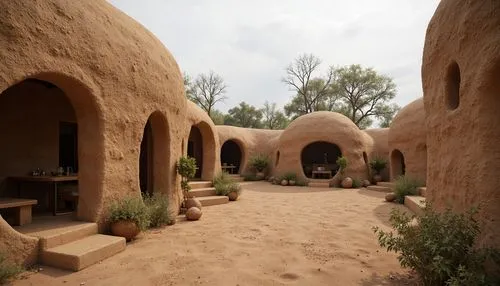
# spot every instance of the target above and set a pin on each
(186, 167)
(259, 162)
(128, 217)
(345, 182)
(225, 186)
(377, 165)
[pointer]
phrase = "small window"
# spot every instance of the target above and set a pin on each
(365, 157)
(277, 158)
(453, 86)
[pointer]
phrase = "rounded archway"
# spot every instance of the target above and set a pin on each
(319, 158)
(231, 157)
(195, 149)
(154, 155)
(57, 131)
(398, 167)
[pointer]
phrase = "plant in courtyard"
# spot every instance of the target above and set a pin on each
(342, 163)
(405, 186)
(356, 183)
(259, 162)
(224, 185)
(440, 247)
(158, 209)
(289, 176)
(8, 270)
(128, 217)
(378, 165)
(186, 167)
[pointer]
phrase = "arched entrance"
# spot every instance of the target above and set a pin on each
(195, 149)
(50, 122)
(154, 155)
(397, 164)
(319, 158)
(231, 157)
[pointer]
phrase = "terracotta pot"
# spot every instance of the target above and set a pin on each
(377, 178)
(193, 213)
(284, 182)
(260, 175)
(390, 197)
(346, 183)
(291, 183)
(193, 202)
(125, 228)
(233, 196)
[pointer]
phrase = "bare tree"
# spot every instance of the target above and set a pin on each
(273, 117)
(206, 90)
(299, 77)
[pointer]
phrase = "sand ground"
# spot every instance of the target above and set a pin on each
(272, 236)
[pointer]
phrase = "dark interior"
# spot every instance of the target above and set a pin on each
(230, 155)
(320, 154)
(195, 149)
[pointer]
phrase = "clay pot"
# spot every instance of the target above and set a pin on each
(260, 175)
(346, 183)
(271, 179)
(377, 178)
(390, 197)
(366, 183)
(193, 213)
(125, 228)
(193, 202)
(291, 183)
(284, 182)
(233, 196)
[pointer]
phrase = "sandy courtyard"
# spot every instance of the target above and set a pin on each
(272, 236)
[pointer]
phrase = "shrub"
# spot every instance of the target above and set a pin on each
(300, 183)
(342, 163)
(289, 177)
(356, 183)
(405, 186)
(378, 164)
(439, 247)
(130, 208)
(259, 162)
(224, 185)
(250, 177)
(8, 270)
(186, 167)
(157, 205)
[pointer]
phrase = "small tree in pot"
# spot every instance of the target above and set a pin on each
(346, 182)
(186, 167)
(259, 162)
(378, 165)
(128, 217)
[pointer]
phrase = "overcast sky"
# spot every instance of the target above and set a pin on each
(250, 43)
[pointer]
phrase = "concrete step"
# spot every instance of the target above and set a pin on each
(318, 184)
(201, 192)
(200, 184)
(213, 200)
(65, 234)
(82, 253)
(386, 184)
(379, 189)
(422, 191)
(415, 204)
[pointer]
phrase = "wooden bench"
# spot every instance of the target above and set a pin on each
(23, 206)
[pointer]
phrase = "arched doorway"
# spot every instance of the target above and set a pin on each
(57, 127)
(319, 158)
(231, 157)
(397, 164)
(195, 149)
(154, 155)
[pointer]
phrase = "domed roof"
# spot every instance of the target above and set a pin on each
(409, 123)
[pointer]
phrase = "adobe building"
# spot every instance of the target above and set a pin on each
(461, 83)
(73, 93)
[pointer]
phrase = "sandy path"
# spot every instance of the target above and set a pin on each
(272, 236)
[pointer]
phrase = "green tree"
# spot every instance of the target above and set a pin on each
(244, 115)
(206, 90)
(217, 117)
(272, 117)
(324, 99)
(362, 94)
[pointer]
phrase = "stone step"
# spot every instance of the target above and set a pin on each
(64, 234)
(422, 191)
(318, 184)
(82, 253)
(415, 204)
(213, 200)
(386, 184)
(200, 184)
(379, 189)
(201, 192)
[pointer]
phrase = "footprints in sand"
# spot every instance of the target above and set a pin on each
(289, 276)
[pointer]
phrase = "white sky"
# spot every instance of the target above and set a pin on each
(250, 43)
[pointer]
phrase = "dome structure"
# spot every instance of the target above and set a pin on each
(334, 135)
(408, 142)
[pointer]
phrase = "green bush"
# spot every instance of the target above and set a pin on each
(259, 162)
(439, 247)
(8, 270)
(158, 209)
(224, 185)
(130, 208)
(405, 186)
(300, 183)
(356, 183)
(289, 177)
(342, 163)
(186, 167)
(378, 164)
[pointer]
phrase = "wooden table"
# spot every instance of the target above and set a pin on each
(329, 173)
(44, 179)
(231, 168)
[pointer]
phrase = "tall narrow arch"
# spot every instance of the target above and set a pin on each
(154, 155)
(398, 167)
